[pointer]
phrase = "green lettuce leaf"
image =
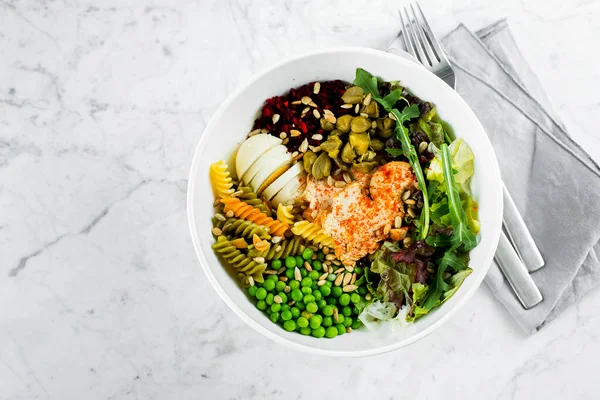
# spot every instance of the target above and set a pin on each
(419, 294)
(463, 161)
(454, 283)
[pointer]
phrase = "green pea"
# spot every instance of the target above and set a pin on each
(347, 311)
(300, 305)
(289, 273)
(314, 275)
(275, 307)
(306, 290)
(307, 253)
(269, 285)
(341, 329)
(320, 256)
(321, 303)
(273, 278)
(309, 298)
(295, 312)
(286, 315)
(325, 290)
(317, 265)
(317, 294)
(337, 291)
(348, 321)
(274, 316)
(306, 314)
(327, 321)
(284, 298)
(289, 325)
(358, 270)
(299, 261)
(328, 311)
(331, 300)
(318, 332)
(276, 264)
(315, 321)
(297, 295)
(261, 305)
(252, 290)
(344, 299)
(314, 286)
(331, 277)
(355, 298)
(290, 262)
(362, 290)
(331, 332)
(302, 322)
(355, 310)
(269, 298)
(356, 324)
(285, 307)
(329, 284)
(312, 307)
(303, 272)
(280, 285)
(305, 331)
(261, 293)
(306, 282)
(294, 285)
(341, 318)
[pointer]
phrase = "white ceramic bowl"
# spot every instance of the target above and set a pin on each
(232, 122)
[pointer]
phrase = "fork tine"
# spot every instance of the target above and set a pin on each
(407, 37)
(425, 45)
(413, 34)
(439, 53)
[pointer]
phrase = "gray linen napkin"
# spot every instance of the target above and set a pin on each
(554, 182)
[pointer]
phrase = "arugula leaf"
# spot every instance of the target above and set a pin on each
(391, 99)
(368, 83)
(394, 152)
(438, 286)
(461, 233)
(413, 159)
(455, 281)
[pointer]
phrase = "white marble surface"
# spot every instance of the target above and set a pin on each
(101, 297)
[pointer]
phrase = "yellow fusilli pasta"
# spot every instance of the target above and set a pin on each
(284, 214)
(286, 248)
(245, 211)
(220, 179)
(242, 263)
(312, 232)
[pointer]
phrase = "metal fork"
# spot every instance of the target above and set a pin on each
(422, 44)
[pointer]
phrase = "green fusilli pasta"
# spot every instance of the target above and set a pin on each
(247, 229)
(290, 247)
(244, 264)
(248, 196)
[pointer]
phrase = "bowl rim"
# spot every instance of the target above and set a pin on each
(466, 296)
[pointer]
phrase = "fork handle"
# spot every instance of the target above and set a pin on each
(519, 234)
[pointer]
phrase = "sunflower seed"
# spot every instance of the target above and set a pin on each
(367, 99)
(281, 270)
(220, 217)
(318, 136)
(349, 262)
(316, 88)
(346, 106)
(237, 193)
(283, 278)
(397, 222)
(297, 157)
(330, 180)
(349, 268)
(348, 329)
(412, 213)
(295, 133)
(264, 130)
(296, 102)
(321, 282)
(285, 141)
(368, 296)
(278, 249)
(347, 177)
(349, 288)
(373, 125)
(338, 280)
(407, 241)
(282, 135)
(336, 263)
(216, 202)
(297, 274)
(365, 115)
(405, 195)
(307, 266)
(313, 104)
(304, 112)
(229, 214)
(254, 132)
(386, 229)
(354, 276)
(324, 276)
(335, 315)
(294, 154)
(330, 257)
(325, 250)
(270, 272)
(303, 146)
(316, 113)
(291, 303)
(410, 202)
(277, 299)
(216, 231)
(340, 184)
(422, 147)
(315, 149)
(327, 112)
(346, 280)
(356, 108)
(251, 281)
(313, 247)
(392, 116)
(276, 239)
(306, 100)
(337, 271)
(313, 257)
(275, 118)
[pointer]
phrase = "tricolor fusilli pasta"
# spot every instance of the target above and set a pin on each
(245, 211)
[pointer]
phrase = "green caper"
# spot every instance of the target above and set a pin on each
(360, 125)
(321, 168)
(368, 156)
(343, 123)
(377, 144)
(372, 109)
(353, 95)
(348, 154)
(308, 160)
(332, 146)
(326, 125)
(366, 166)
(336, 132)
(385, 127)
(359, 142)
